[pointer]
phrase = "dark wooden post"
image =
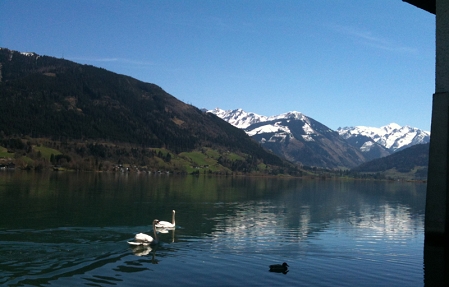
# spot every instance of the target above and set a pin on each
(437, 198)
(436, 256)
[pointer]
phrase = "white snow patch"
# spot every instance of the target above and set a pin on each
(28, 54)
(367, 146)
(308, 129)
(308, 138)
(269, 128)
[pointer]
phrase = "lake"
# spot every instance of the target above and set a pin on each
(71, 229)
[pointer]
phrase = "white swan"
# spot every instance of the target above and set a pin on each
(166, 224)
(145, 239)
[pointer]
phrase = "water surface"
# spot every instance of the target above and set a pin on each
(69, 229)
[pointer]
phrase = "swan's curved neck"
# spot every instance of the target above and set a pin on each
(156, 240)
(173, 218)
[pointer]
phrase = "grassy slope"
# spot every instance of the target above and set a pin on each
(205, 160)
(46, 152)
(5, 154)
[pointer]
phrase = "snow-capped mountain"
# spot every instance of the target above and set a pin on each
(238, 118)
(301, 139)
(276, 125)
(392, 137)
(241, 119)
(296, 137)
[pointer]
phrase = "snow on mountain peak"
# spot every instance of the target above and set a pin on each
(270, 128)
(238, 117)
(28, 54)
(241, 119)
(289, 115)
(273, 125)
(391, 136)
(391, 127)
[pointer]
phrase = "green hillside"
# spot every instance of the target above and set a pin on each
(410, 163)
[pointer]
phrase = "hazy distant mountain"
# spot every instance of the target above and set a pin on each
(391, 137)
(297, 138)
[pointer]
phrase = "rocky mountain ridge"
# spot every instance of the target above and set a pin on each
(294, 136)
(297, 138)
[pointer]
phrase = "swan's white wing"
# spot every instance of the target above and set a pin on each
(139, 243)
(142, 237)
(164, 224)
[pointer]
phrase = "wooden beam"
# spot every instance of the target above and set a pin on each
(428, 5)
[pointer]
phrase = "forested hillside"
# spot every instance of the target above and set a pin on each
(412, 161)
(91, 113)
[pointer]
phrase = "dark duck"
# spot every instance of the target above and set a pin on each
(280, 268)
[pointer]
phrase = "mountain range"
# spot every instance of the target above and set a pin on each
(392, 137)
(55, 110)
(301, 139)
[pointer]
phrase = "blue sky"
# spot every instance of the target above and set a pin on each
(341, 62)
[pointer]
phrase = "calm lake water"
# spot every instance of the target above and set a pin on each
(69, 229)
